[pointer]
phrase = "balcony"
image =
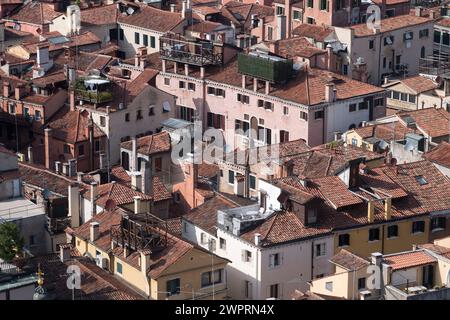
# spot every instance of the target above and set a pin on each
(414, 291)
(200, 53)
(93, 89)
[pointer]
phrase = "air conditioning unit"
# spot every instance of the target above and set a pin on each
(101, 262)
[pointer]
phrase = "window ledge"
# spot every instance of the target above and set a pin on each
(437, 230)
(392, 238)
(344, 246)
(417, 233)
(372, 241)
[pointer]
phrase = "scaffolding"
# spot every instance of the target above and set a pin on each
(142, 231)
(176, 48)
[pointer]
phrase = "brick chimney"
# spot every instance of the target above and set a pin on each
(5, 88)
(136, 180)
(47, 142)
(94, 231)
(72, 100)
(287, 12)
(19, 91)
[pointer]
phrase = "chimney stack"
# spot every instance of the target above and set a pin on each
(172, 7)
(371, 211)
(387, 208)
(47, 138)
(18, 91)
(137, 204)
(64, 252)
(72, 168)
(30, 154)
(330, 92)
(376, 258)
(58, 167)
(136, 180)
(145, 260)
(93, 193)
(94, 231)
(74, 205)
(72, 100)
(257, 239)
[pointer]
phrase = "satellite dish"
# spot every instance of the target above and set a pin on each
(110, 205)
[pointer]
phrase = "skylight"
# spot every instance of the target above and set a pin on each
(421, 180)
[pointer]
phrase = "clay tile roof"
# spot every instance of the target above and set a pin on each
(434, 195)
(317, 32)
(435, 122)
(118, 192)
(408, 260)
(384, 131)
(207, 170)
(99, 15)
(436, 249)
(335, 191)
(440, 154)
(71, 126)
(443, 22)
(35, 13)
(151, 144)
(204, 26)
(161, 20)
(390, 24)
(297, 47)
(44, 178)
(349, 261)
(420, 84)
(380, 182)
(205, 215)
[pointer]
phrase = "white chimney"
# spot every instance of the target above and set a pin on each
(377, 257)
(137, 204)
(74, 205)
(134, 156)
(257, 239)
(136, 180)
(145, 261)
(183, 9)
(330, 93)
(65, 169)
(72, 167)
(94, 231)
(172, 7)
(93, 194)
(64, 252)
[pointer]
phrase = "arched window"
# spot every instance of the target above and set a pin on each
(422, 52)
(125, 160)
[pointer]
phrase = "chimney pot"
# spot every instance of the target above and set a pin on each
(388, 208)
(64, 252)
(377, 257)
(137, 204)
(94, 231)
(257, 239)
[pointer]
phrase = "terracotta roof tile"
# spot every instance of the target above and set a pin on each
(384, 131)
(161, 20)
(118, 192)
(297, 47)
(317, 32)
(349, 261)
(151, 144)
(420, 84)
(408, 260)
(390, 24)
(102, 15)
(440, 154)
(435, 122)
(35, 13)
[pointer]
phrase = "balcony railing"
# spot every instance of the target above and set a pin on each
(176, 48)
(94, 96)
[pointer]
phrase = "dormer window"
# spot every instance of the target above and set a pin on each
(312, 215)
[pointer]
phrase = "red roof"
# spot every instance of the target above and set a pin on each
(440, 154)
(408, 260)
(151, 144)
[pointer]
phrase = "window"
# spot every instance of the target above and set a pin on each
(392, 231)
(269, 33)
(438, 223)
(388, 40)
(152, 42)
(361, 283)
(370, 44)
(344, 240)
(181, 84)
(127, 117)
(216, 121)
(37, 115)
(158, 164)
(390, 12)
(352, 107)
(384, 62)
(203, 238)
(242, 98)
(303, 115)
(403, 97)
(151, 111)
(310, 4)
(121, 37)
(223, 244)
(209, 278)
(354, 142)
(252, 182)
(66, 148)
(246, 256)
(26, 111)
(445, 38)
(363, 105)
(421, 180)
(418, 227)
(395, 95)
(97, 146)
(412, 98)
(280, 11)
(374, 234)
(345, 69)
(119, 267)
(273, 291)
(248, 286)
(285, 110)
(324, 5)
(437, 36)
(167, 81)
(320, 249)
(12, 108)
(284, 136)
(173, 287)
(216, 91)
(274, 260)
(297, 15)
(318, 114)
(339, 4)
(102, 121)
(408, 36)
(145, 40)
(187, 114)
(136, 37)
(81, 150)
(138, 114)
(310, 20)
(312, 215)
(379, 102)
(191, 86)
(329, 286)
(230, 176)
(423, 33)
